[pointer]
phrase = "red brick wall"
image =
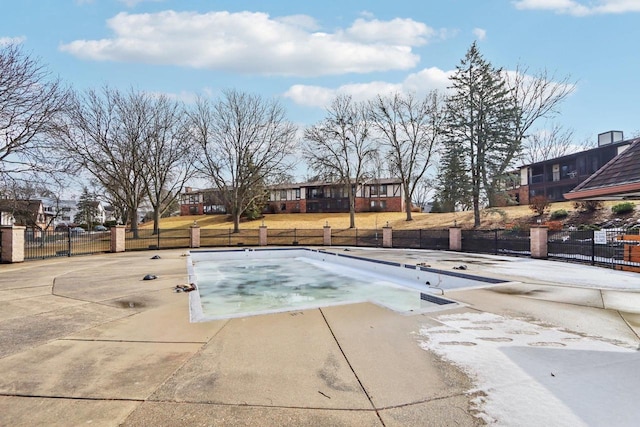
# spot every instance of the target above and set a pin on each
(394, 204)
(186, 209)
(524, 195)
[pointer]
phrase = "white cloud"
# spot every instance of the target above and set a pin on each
(134, 3)
(578, 8)
(398, 31)
(11, 40)
(480, 33)
(420, 83)
(255, 43)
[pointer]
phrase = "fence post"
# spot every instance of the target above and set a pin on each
(117, 238)
(455, 239)
(12, 243)
(262, 236)
(326, 235)
(539, 237)
(194, 235)
(387, 237)
(593, 247)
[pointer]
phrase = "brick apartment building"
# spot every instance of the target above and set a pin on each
(380, 195)
(555, 177)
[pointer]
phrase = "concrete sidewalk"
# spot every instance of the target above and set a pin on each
(86, 340)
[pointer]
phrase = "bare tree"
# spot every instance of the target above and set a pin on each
(536, 96)
(32, 107)
(244, 144)
(169, 155)
(423, 193)
(340, 146)
(107, 136)
(548, 144)
(410, 129)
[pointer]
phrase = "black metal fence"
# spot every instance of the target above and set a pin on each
(604, 248)
(212, 238)
(40, 244)
(497, 242)
(421, 239)
(357, 237)
(297, 236)
(145, 239)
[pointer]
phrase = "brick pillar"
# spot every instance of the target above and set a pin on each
(326, 235)
(194, 236)
(262, 235)
(12, 244)
(117, 238)
(455, 239)
(539, 242)
(387, 237)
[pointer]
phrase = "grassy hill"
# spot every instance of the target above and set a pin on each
(506, 217)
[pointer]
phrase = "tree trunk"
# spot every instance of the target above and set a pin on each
(352, 209)
(236, 220)
(407, 205)
(134, 224)
(156, 220)
(476, 209)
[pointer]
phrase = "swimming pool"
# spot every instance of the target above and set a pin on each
(238, 283)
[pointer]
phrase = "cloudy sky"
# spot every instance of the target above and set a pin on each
(305, 52)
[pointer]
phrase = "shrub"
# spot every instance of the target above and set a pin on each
(623, 208)
(539, 204)
(554, 225)
(560, 213)
(583, 227)
(517, 226)
(587, 206)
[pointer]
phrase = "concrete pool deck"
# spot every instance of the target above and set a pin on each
(86, 340)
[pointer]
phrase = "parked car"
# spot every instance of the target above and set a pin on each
(77, 230)
(100, 228)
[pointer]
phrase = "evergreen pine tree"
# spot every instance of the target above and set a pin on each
(454, 187)
(481, 115)
(87, 209)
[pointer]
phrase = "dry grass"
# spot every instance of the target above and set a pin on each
(490, 218)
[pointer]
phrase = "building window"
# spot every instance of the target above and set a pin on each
(383, 190)
(374, 190)
(190, 199)
(283, 194)
(214, 209)
(297, 193)
(378, 205)
(283, 207)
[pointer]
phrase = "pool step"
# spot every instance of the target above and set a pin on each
(434, 299)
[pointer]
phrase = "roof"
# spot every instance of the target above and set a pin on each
(380, 181)
(580, 153)
(13, 205)
(617, 180)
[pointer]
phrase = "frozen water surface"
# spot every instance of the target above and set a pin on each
(240, 287)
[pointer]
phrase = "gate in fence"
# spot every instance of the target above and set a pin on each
(40, 244)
